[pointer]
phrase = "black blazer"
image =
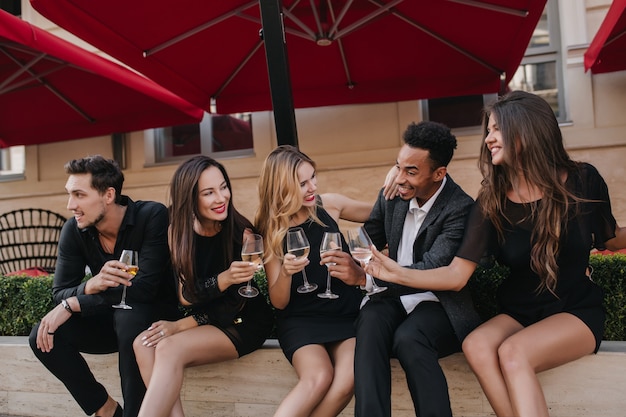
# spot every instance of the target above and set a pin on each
(435, 245)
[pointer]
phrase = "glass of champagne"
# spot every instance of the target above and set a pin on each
(131, 259)
(330, 241)
(360, 247)
(251, 251)
(298, 245)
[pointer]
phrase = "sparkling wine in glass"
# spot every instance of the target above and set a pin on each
(360, 247)
(298, 245)
(251, 251)
(131, 259)
(330, 241)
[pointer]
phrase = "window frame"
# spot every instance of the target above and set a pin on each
(533, 55)
(9, 158)
(154, 146)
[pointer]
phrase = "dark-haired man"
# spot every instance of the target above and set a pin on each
(423, 227)
(104, 223)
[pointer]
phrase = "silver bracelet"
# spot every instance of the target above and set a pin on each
(66, 306)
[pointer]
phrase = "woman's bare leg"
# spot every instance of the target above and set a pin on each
(549, 343)
(197, 346)
(481, 351)
(342, 387)
(145, 358)
(315, 375)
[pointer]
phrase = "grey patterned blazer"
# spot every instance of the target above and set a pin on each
(435, 245)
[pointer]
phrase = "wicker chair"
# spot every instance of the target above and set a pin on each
(29, 239)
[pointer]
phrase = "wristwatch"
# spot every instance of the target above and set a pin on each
(66, 306)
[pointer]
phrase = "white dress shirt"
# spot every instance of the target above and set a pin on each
(412, 222)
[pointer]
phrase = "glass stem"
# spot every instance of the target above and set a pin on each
(328, 282)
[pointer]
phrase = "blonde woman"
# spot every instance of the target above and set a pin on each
(316, 334)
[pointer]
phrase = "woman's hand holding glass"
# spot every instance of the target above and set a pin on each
(298, 246)
(251, 252)
(361, 249)
(330, 242)
(382, 266)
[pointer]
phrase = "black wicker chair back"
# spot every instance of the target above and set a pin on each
(29, 239)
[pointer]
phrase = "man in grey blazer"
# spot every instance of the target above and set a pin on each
(423, 227)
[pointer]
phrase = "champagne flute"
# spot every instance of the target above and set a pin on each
(298, 245)
(251, 251)
(360, 247)
(130, 258)
(330, 241)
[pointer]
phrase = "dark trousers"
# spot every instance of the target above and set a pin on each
(108, 332)
(383, 330)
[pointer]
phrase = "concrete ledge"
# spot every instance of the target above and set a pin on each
(254, 385)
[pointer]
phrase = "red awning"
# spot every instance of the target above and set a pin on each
(52, 90)
(339, 51)
(607, 51)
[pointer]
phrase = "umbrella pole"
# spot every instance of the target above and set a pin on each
(278, 71)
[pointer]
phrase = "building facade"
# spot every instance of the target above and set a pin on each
(354, 146)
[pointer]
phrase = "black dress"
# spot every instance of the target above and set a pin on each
(590, 224)
(246, 321)
(309, 319)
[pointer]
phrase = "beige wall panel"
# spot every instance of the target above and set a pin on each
(53, 156)
(579, 93)
(609, 98)
(596, 11)
(339, 129)
(354, 146)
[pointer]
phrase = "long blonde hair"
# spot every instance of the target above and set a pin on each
(280, 197)
(533, 144)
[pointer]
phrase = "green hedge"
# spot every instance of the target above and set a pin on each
(24, 300)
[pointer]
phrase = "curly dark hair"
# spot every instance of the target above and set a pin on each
(434, 137)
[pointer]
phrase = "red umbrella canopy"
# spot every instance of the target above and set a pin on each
(51, 90)
(607, 51)
(339, 51)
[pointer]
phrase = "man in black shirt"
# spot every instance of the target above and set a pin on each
(105, 222)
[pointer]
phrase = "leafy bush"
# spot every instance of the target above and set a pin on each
(24, 300)
(483, 285)
(609, 272)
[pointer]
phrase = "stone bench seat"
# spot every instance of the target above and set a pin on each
(254, 385)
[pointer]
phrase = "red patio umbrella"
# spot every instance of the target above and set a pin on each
(607, 51)
(339, 51)
(52, 90)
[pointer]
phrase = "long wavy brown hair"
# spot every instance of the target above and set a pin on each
(279, 197)
(183, 196)
(534, 153)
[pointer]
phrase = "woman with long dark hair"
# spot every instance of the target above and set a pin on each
(539, 213)
(205, 237)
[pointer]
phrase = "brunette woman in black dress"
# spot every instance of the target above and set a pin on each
(539, 213)
(205, 238)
